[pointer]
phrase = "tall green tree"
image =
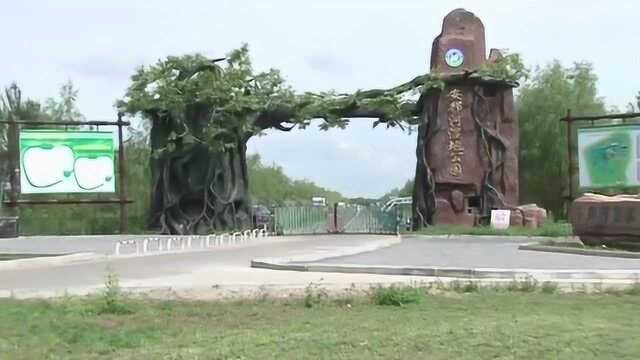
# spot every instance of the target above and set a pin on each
(269, 185)
(542, 101)
(65, 107)
(634, 107)
(403, 191)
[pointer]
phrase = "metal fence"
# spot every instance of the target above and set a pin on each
(336, 219)
(302, 220)
(368, 219)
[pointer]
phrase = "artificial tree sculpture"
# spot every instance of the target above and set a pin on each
(204, 111)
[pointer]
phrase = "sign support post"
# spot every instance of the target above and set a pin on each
(122, 179)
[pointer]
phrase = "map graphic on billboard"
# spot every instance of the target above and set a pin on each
(609, 156)
(53, 161)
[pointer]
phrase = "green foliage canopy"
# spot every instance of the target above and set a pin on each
(541, 103)
(244, 101)
(403, 191)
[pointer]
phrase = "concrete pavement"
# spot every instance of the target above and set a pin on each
(225, 271)
(99, 244)
(227, 268)
(479, 252)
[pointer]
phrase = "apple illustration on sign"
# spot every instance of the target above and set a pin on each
(454, 58)
(48, 165)
(93, 172)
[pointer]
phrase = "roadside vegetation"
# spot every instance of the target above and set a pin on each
(460, 320)
(549, 229)
(270, 186)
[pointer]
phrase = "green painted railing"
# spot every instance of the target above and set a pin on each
(369, 219)
(340, 219)
(302, 220)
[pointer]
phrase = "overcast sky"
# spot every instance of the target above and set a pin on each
(318, 45)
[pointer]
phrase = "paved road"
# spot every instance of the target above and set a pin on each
(196, 269)
(478, 252)
(227, 269)
(100, 244)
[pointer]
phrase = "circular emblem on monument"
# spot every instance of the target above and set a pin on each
(454, 58)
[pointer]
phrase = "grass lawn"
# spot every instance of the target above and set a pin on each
(548, 229)
(482, 324)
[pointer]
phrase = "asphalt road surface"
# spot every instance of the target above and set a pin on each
(211, 268)
(478, 252)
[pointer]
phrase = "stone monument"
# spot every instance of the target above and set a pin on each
(468, 139)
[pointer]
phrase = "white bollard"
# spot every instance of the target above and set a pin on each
(118, 248)
(145, 245)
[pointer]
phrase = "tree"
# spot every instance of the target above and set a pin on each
(404, 191)
(64, 108)
(270, 186)
(203, 114)
(543, 141)
(634, 107)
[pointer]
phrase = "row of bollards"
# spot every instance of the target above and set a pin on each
(175, 243)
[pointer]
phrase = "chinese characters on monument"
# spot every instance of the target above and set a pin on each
(456, 147)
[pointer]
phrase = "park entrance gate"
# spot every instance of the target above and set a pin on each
(347, 219)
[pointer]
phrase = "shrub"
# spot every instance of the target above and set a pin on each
(529, 284)
(633, 289)
(112, 298)
(549, 287)
(314, 295)
(396, 296)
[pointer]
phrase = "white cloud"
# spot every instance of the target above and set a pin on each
(331, 44)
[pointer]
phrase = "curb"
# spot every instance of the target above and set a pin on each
(508, 238)
(286, 262)
(45, 261)
(464, 273)
(579, 251)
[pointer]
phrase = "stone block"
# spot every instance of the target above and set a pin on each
(607, 220)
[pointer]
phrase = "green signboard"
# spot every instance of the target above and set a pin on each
(609, 156)
(53, 161)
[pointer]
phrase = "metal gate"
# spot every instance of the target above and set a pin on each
(350, 219)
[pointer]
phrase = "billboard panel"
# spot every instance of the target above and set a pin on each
(53, 161)
(609, 156)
